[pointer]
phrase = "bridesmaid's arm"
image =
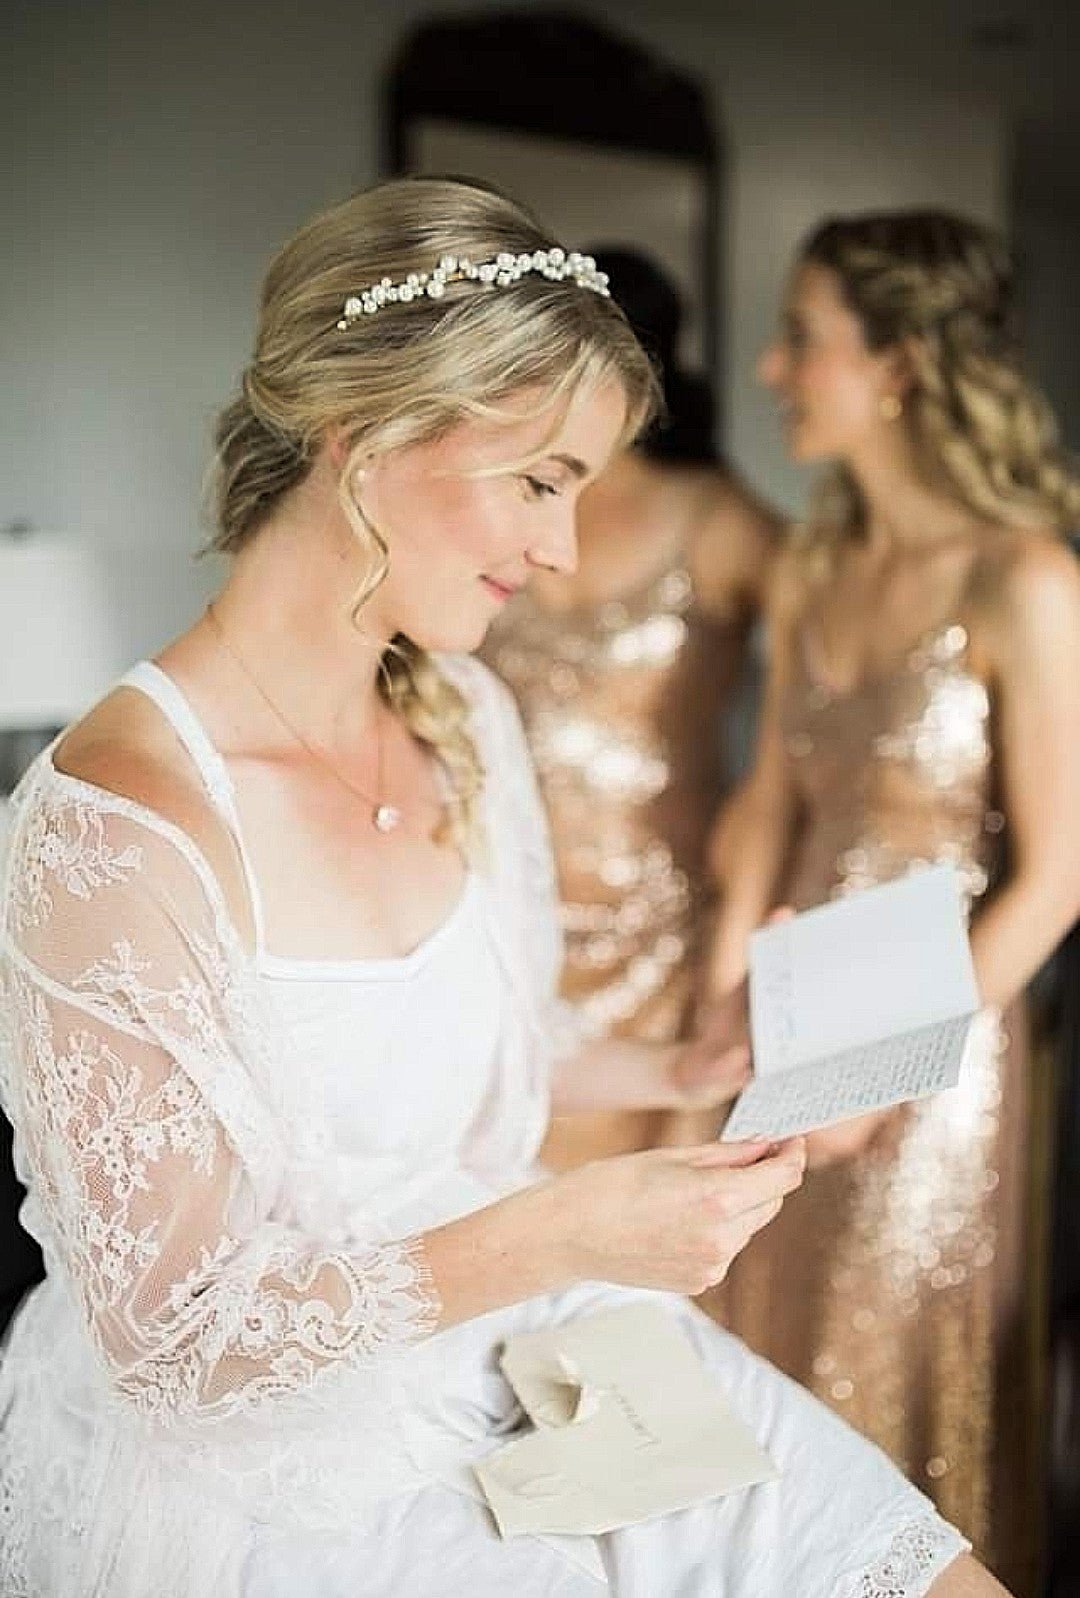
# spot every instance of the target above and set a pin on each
(734, 545)
(752, 833)
(1035, 644)
(702, 1073)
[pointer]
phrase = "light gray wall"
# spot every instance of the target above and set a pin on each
(159, 153)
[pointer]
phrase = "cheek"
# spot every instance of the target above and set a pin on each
(462, 530)
(837, 391)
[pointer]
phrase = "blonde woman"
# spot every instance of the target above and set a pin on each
(279, 954)
(923, 704)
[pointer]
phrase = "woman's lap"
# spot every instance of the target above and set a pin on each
(838, 1522)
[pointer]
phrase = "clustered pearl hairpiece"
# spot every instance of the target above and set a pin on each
(555, 263)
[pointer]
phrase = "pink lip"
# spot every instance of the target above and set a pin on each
(502, 591)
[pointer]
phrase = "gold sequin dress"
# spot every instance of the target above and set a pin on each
(621, 704)
(893, 1284)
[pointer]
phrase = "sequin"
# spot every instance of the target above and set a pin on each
(612, 699)
(918, 1231)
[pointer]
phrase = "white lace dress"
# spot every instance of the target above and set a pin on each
(228, 1383)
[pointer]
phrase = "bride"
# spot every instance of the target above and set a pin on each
(278, 964)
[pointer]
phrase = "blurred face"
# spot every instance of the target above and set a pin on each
(467, 523)
(828, 384)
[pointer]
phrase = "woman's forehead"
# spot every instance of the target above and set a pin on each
(582, 426)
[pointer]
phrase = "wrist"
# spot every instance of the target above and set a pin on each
(539, 1227)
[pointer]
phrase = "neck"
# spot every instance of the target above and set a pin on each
(903, 510)
(285, 611)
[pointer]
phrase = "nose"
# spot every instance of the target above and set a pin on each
(557, 549)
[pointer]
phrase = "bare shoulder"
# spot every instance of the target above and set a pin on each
(733, 538)
(125, 746)
(1032, 589)
(1041, 570)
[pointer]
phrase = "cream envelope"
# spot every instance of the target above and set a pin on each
(629, 1425)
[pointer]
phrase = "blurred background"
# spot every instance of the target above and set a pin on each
(155, 156)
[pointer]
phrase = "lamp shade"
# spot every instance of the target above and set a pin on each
(74, 617)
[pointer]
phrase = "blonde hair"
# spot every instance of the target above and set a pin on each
(942, 288)
(406, 376)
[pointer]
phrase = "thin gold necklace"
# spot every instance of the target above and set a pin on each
(384, 815)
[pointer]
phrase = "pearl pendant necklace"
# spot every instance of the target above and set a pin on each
(385, 817)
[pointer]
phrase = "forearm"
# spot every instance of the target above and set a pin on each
(747, 877)
(1017, 931)
(502, 1254)
(613, 1074)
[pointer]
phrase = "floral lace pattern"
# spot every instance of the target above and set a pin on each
(138, 1079)
(177, 1172)
(68, 843)
(916, 1554)
(215, 1350)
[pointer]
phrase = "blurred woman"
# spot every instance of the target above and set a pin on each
(923, 704)
(622, 671)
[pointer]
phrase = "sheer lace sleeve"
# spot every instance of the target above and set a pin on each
(142, 1079)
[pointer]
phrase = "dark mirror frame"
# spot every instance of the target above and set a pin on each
(557, 75)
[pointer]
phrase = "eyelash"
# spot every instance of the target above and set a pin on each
(538, 489)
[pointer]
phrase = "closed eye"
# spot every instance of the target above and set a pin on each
(537, 488)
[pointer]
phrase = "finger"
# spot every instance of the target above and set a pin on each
(744, 1151)
(783, 912)
(739, 1152)
(738, 1233)
(740, 1190)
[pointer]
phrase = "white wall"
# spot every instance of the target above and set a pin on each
(160, 153)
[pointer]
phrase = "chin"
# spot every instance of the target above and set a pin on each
(807, 450)
(463, 638)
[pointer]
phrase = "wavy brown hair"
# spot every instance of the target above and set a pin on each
(405, 376)
(942, 288)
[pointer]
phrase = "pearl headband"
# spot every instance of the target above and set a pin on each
(505, 269)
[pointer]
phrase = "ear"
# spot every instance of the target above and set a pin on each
(336, 444)
(900, 364)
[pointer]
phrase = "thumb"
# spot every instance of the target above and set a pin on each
(746, 1151)
(743, 1151)
(783, 912)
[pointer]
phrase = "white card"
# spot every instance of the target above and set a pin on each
(860, 1004)
(629, 1424)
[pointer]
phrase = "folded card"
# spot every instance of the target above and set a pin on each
(860, 1004)
(629, 1424)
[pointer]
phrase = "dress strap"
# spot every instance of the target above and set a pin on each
(149, 679)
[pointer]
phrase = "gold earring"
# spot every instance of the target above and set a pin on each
(890, 407)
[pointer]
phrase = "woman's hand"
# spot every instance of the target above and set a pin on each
(628, 1074)
(671, 1218)
(714, 1065)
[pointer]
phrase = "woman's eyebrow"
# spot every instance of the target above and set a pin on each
(576, 467)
